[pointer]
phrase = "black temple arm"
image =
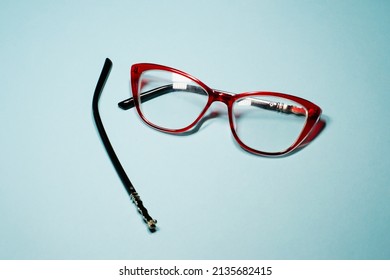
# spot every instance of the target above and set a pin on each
(110, 150)
(156, 92)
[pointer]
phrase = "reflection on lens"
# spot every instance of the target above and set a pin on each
(170, 100)
(267, 123)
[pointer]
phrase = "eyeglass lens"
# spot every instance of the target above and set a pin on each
(265, 129)
(176, 100)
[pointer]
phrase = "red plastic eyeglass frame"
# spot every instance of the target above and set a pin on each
(313, 111)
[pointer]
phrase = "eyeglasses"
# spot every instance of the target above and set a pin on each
(264, 123)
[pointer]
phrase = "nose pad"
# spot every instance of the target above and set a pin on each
(217, 108)
(215, 111)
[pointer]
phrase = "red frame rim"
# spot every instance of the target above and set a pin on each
(313, 111)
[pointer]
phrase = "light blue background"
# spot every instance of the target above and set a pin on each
(60, 197)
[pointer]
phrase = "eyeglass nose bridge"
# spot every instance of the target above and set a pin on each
(222, 96)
